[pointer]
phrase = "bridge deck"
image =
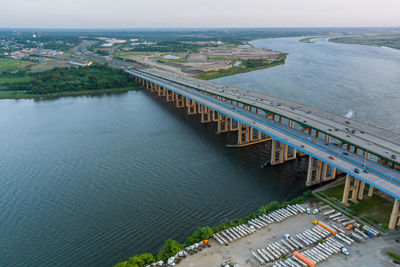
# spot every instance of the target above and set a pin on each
(379, 176)
(377, 141)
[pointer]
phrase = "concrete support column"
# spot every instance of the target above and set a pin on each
(290, 152)
(243, 134)
(314, 171)
(370, 191)
(205, 114)
(170, 96)
(214, 116)
(328, 138)
(233, 125)
(330, 173)
(353, 188)
(223, 124)
(191, 106)
(394, 216)
(154, 89)
(161, 91)
(277, 153)
(270, 116)
(255, 135)
(180, 101)
(361, 191)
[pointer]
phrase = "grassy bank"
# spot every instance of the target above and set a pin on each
(392, 41)
(58, 82)
(246, 66)
(375, 209)
(171, 247)
(24, 95)
(308, 40)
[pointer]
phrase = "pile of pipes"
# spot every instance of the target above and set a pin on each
(317, 254)
(310, 237)
(281, 248)
(193, 249)
(233, 233)
(237, 232)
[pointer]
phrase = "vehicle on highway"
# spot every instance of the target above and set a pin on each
(331, 157)
(345, 153)
(330, 130)
(347, 122)
(356, 170)
(394, 157)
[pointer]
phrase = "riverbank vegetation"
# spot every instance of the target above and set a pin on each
(375, 209)
(308, 40)
(65, 82)
(392, 41)
(245, 66)
(171, 247)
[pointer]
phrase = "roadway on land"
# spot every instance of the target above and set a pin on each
(379, 176)
(377, 141)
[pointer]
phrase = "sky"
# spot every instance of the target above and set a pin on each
(197, 13)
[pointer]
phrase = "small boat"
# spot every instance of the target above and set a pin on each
(349, 114)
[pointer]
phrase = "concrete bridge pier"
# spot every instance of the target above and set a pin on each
(243, 134)
(352, 184)
(191, 106)
(214, 116)
(394, 217)
(205, 114)
(289, 152)
(314, 171)
(161, 91)
(223, 123)
(233, 125)
(180, 101)
(170, 96)
(277, 153)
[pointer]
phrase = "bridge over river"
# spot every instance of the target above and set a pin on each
(334, 144)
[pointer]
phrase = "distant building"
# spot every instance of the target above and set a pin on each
(80, 63)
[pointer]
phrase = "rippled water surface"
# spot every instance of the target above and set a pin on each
(90, 181)
(333, 77)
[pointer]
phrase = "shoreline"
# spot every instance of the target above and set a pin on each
(211, 75)
(4, 95)
(206, 232)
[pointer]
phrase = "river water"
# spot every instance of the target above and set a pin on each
(92, 180)
(334, 77)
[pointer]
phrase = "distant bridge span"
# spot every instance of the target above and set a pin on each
(367, 154)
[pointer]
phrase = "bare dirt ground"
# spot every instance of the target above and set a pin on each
(369, 253)
(208, 58)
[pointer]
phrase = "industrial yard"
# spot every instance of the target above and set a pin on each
(207, 59)
(264, 242)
